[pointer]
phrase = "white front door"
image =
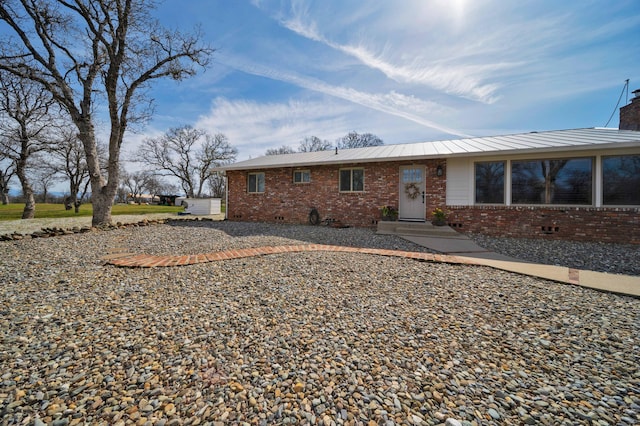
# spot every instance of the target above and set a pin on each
(411, 193)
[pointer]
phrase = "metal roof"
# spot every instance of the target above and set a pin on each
(548, 141)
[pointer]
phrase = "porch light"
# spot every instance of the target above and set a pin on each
(439, 171)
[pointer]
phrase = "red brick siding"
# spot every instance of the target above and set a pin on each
(284, 201)
(436, 192)
(620, 225)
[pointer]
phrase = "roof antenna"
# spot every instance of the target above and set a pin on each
(626, 86)
(336, 150)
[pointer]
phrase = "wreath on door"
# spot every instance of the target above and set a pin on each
(412, 190)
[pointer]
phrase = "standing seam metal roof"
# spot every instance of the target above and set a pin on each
(556, 140)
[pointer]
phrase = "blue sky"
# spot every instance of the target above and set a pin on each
(406, 71)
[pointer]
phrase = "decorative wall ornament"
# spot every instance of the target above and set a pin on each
(412, 190)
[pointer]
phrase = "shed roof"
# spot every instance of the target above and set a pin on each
(548, 141)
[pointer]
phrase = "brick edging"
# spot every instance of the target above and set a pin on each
(153, 261)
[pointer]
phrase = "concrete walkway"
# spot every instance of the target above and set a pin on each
(466, 251)
(458, 245)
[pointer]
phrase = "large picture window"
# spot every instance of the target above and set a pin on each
(352, 180)
(489, 182)
(621, 180)
(562, 181)
(255, 183)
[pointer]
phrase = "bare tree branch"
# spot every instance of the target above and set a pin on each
(357, 140)
(26, 124)
(189, 155)
(82, 50)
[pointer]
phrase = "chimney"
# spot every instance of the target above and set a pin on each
(630, 114)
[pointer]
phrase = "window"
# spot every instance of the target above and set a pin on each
(255, 182)
(621, 180)
(352, 180)
(565, 181)
(301, 176)
(490, 182)
(412, 175)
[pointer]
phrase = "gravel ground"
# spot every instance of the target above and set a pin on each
(304, 338)
(601, 257)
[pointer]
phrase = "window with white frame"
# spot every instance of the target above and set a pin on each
(352, 180)
(552, 181)
(255, 183)
(489, 182)
(301, 176)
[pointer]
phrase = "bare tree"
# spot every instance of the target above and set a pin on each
(7, 171)
(67, 159)
(136, 183)
(155, 186)
(79, 50)
(43, 177)
(217, 185)
(188, 154)
(26, 112)
(314, 143)
(284, 149)
(356, 140)
(121, 193)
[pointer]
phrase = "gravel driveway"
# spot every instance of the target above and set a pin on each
(305, 338)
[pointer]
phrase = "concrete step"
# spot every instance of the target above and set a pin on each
(423, 229)
(436, 231)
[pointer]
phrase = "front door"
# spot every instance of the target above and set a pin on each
(411, 191)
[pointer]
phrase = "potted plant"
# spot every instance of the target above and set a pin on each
(439, 217)
(388, 213)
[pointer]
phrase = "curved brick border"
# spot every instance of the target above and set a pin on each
(152, 261)
(622, 284)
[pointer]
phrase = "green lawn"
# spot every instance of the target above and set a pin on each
(14, 211)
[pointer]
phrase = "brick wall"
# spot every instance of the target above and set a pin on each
(620, 225)
(286, 202)
(630, 114)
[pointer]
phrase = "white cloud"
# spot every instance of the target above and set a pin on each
(461, 79)
(254, 127)
(407, 107)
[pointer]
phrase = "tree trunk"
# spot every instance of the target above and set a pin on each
(102, 204)
(102, 192)
(73, 195)
(29, 200)
(4, 188)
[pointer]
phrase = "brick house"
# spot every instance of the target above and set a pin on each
(580, 184)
